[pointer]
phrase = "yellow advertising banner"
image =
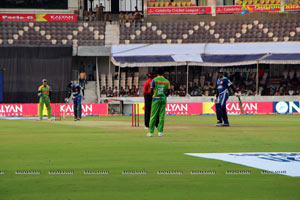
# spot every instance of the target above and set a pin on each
(209, 108)
(141, 107)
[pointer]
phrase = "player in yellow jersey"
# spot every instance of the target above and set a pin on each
(44, 92)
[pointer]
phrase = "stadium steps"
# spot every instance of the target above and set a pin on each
(112, 34)
(90, 94)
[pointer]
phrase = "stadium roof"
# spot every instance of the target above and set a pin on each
(149, 55)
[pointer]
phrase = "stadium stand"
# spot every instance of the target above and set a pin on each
(52, 33)
(210, 31)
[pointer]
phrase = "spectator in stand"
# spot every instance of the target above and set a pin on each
(97, 9)
(277, 92)
(122, 92)
(91, 71)
(136, 10)
(127, 90)
(90, 15)
(294, 80)
(121, 18)
(134, 91)
(291, 92)
(137, 15)
(101, 12)
(282, 80)
(261, 73)
(126, 18)
(107, 18)
(206, 89)
(82, 80)
(110, 92)
(272, 90)
(116, 91)
(211, 89)
(131, 17)
(85, 15)
(103, 92)
(261, 89)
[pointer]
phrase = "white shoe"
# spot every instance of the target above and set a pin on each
(149, 135)
(146, 128)
(160, 134)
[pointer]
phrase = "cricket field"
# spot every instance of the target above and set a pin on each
(105, 158)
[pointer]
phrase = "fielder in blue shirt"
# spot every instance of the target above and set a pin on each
(223, 85)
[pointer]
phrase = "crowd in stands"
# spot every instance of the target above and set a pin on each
(127, 92)
(204, 84)
(130, 17)
(100, 15)
(244, 84)
(287, 86)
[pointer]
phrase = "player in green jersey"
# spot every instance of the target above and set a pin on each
(160, 88)
(44, 92)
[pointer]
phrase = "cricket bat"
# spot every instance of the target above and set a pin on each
(240, 103)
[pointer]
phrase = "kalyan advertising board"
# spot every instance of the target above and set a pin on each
(179, 10)
(234, 108)
(184, 109)
(178, 108)
(31, 109)
(56, 17)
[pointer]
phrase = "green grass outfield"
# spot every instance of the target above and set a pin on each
(109, 143)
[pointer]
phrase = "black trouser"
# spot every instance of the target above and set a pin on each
(77, 111)
(148, 103)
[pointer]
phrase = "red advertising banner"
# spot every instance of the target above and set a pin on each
(179, 10)
(250, 107)
(184, 109)
(234, 108)
(228, 9)
(38, 17)
(31, 109)
(87, 109)
(17, 17)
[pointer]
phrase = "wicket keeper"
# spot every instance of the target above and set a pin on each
(160, 88)
(44, 92)
(222, 95)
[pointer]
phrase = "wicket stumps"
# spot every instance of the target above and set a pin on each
(135, 115)
(57, 112)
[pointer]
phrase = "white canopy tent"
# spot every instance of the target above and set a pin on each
(213, 55)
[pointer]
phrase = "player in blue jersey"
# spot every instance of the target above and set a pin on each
(76, 91)
(223, 85)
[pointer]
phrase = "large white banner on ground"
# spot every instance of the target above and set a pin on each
(285, 163)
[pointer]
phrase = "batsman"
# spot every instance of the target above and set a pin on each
(222, 95)
(160, 88)
(44, 92)
(76, 91)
